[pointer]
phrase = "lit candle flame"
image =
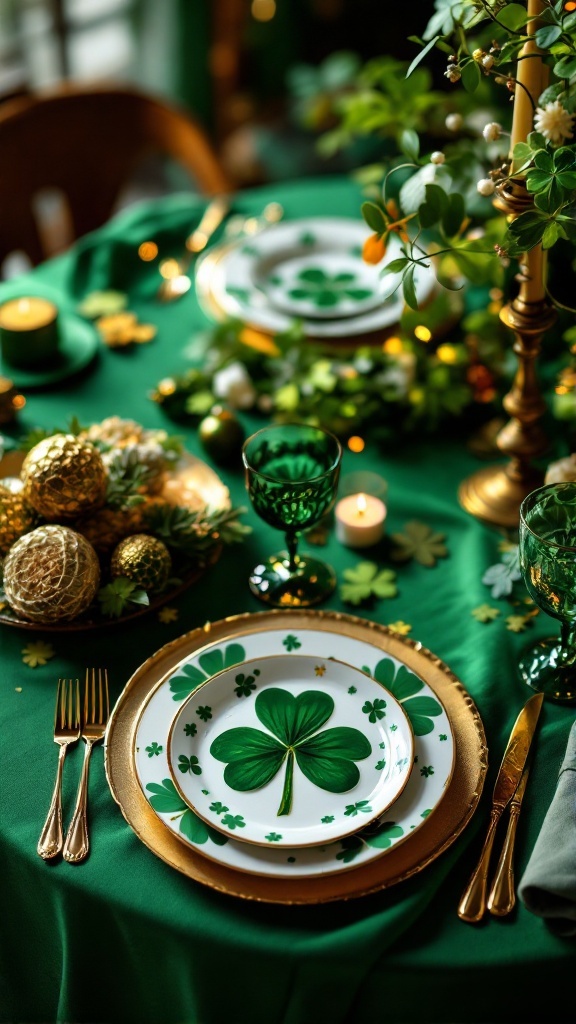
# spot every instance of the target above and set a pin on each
(361, 504)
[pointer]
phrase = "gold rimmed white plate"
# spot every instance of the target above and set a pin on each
(289, 750)
(393, 859)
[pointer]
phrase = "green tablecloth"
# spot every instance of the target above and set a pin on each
(125, 938)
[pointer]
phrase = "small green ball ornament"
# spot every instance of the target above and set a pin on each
(222, 436)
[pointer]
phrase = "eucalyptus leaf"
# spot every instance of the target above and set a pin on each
(547, 35)
(421, 55)
(374, 217)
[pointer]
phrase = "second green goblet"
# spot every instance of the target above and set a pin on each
(292, 476)
(548, 564)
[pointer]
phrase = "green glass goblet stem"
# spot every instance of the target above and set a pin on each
(291, 474)
(548, 564)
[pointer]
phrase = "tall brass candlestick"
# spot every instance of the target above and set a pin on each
(495, 493)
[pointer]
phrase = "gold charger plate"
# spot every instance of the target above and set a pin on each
(437, 833)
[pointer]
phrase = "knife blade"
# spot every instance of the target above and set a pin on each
(502, 895)
(473, 902)
(212, 218)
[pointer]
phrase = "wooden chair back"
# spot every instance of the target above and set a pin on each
(86, 144)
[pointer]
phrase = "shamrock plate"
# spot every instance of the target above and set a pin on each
(291, 750)
(310, 269)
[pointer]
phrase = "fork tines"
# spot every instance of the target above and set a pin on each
(96, 697)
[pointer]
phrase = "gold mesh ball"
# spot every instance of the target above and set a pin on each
(143, 559)
(17, 517)
(64, 477)
(51, 575)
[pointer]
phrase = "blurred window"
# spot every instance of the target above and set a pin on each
(43, 42)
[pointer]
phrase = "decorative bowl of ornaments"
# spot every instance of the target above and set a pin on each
(100, 524)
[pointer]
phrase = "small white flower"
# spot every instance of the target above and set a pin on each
(437, 157)
(486, 186)
(234, 384)
(487, 62)
(492, 131)
(554, 122)
(478, 54)
(453, 73)
(454, 122)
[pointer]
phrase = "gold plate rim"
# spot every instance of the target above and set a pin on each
(400, 862)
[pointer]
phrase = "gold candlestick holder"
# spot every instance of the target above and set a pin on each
(495, 493)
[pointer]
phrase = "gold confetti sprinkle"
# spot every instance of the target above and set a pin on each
(18, 689)
(166, 615)
(123, 329)
(37, 653)
(517, 623)
(400, 627)
(485, 613)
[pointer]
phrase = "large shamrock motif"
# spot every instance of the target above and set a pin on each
(315, 285)
(326, 758)
(210, 663)
(404, 685)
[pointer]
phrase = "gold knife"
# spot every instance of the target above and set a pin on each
(502, 895)
(473, 903)
(212, 218)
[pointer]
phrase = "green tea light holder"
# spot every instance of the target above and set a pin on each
(29, 336)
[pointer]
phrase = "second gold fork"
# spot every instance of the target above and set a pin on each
(94, 721)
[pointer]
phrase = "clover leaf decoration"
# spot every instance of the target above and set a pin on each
(253, 757)
(419, 541)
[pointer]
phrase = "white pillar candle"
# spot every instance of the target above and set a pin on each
(360, 520)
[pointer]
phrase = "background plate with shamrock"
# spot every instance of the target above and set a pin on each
(254, 637)
(310, 269)
(290, 750)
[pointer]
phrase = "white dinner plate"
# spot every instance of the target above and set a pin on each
(290, 750)
(311, 270)
(434, 753)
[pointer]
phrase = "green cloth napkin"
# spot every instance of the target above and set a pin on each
(548, 885)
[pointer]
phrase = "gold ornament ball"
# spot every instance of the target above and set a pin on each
(51, 575)
(143, 559)
(64, 477)
(222, 436)
(17, 517)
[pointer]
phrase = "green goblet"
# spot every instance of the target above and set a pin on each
(548, 564)
(291, 476)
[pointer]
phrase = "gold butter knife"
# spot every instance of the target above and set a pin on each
(172, 287)
(502, 895)
(473, 903)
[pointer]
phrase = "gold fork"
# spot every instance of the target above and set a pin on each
(94, 721)
(66, 731)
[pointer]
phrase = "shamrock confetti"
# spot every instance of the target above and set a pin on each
(502, 576)
(122, 329)
(400, 627)
(366, 581)
(37, 653)
(166, 615)
(517, 623)
(97, 304)
(485, 613)
(420, 542)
